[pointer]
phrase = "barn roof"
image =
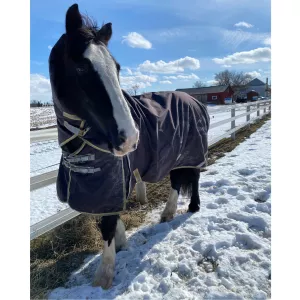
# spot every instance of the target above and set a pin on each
(205, 90)
(255, 82)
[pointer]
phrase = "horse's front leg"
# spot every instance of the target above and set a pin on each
(113, 233)
(141, 193)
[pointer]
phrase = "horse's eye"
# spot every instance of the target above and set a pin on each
(81, 70)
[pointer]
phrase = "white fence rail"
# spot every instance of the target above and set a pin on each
(65, 215)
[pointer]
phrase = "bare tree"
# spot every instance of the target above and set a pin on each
(237, 80)
(232, 78)
(199, 84)
(133, 90)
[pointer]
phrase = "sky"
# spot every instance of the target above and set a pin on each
(162, 45)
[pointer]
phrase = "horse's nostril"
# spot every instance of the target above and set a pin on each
(122, 139)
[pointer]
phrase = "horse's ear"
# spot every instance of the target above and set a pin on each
(73, 19)
(105, 33)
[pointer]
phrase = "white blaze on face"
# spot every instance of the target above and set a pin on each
(105, 66)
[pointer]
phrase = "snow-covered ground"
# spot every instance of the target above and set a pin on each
(41, 117)
(221, 252)
(45, 157)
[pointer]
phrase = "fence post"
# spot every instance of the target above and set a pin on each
(233, 122)
(248, 116)
(265, 108)
(258, 112)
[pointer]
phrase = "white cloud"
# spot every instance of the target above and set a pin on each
(171, 77)
(182, 77)
(40, 88)
(128, 71)
(243, 24)
(211, 82)
(165, 82)
(254, 74)
(226, 66)
(50, 47)
(267, 41)
(246, 57)
(174, 66)
(234, 38)
(37, 63)
(136, 40)
(138, 78)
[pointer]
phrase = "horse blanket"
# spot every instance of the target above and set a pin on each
(173, 134)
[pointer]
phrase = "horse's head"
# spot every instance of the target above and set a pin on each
(92, 75)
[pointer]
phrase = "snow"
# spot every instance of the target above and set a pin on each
(221, 252)
(42, 117)
(45, 157)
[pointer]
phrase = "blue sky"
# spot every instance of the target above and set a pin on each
(162, 45)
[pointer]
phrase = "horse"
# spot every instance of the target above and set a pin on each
(112, 142)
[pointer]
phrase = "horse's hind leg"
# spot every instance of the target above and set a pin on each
(120, 236)
(186, 180)
(171, 205)
(105, 272)
(194, 205)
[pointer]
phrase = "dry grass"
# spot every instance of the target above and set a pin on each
(54, 256)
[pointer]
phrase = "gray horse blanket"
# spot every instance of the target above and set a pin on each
(173, 134)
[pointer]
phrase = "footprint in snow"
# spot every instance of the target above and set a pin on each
(255, 223)
(232, 191)
(221, 200)
(223, 182)
(212, 206)
(246, 172)
(226, 164)
(261, 197)
(212, 173)
(246, 241)
(207, 184)
(240, 197)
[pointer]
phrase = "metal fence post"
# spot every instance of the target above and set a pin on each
(265, 108)
(248, 115)
(233, 123)
(258, 112)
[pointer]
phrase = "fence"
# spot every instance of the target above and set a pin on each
(39, 181)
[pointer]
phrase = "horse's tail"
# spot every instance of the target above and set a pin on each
(186, 189)
(185, 178)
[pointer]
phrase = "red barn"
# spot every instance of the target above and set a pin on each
(252, 96)
(211, 94)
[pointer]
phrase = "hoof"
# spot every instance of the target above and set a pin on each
(166, 218)
(104, 276)
(193, 209)
(123, 246)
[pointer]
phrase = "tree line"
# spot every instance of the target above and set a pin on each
(37, 103)
(237, 80)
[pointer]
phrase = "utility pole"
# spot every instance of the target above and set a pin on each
(267, 88)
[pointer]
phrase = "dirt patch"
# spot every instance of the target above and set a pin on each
(54, 256)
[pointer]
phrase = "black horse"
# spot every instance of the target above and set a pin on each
(110, 141)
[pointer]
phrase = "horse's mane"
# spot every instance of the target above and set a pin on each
(90, 26)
